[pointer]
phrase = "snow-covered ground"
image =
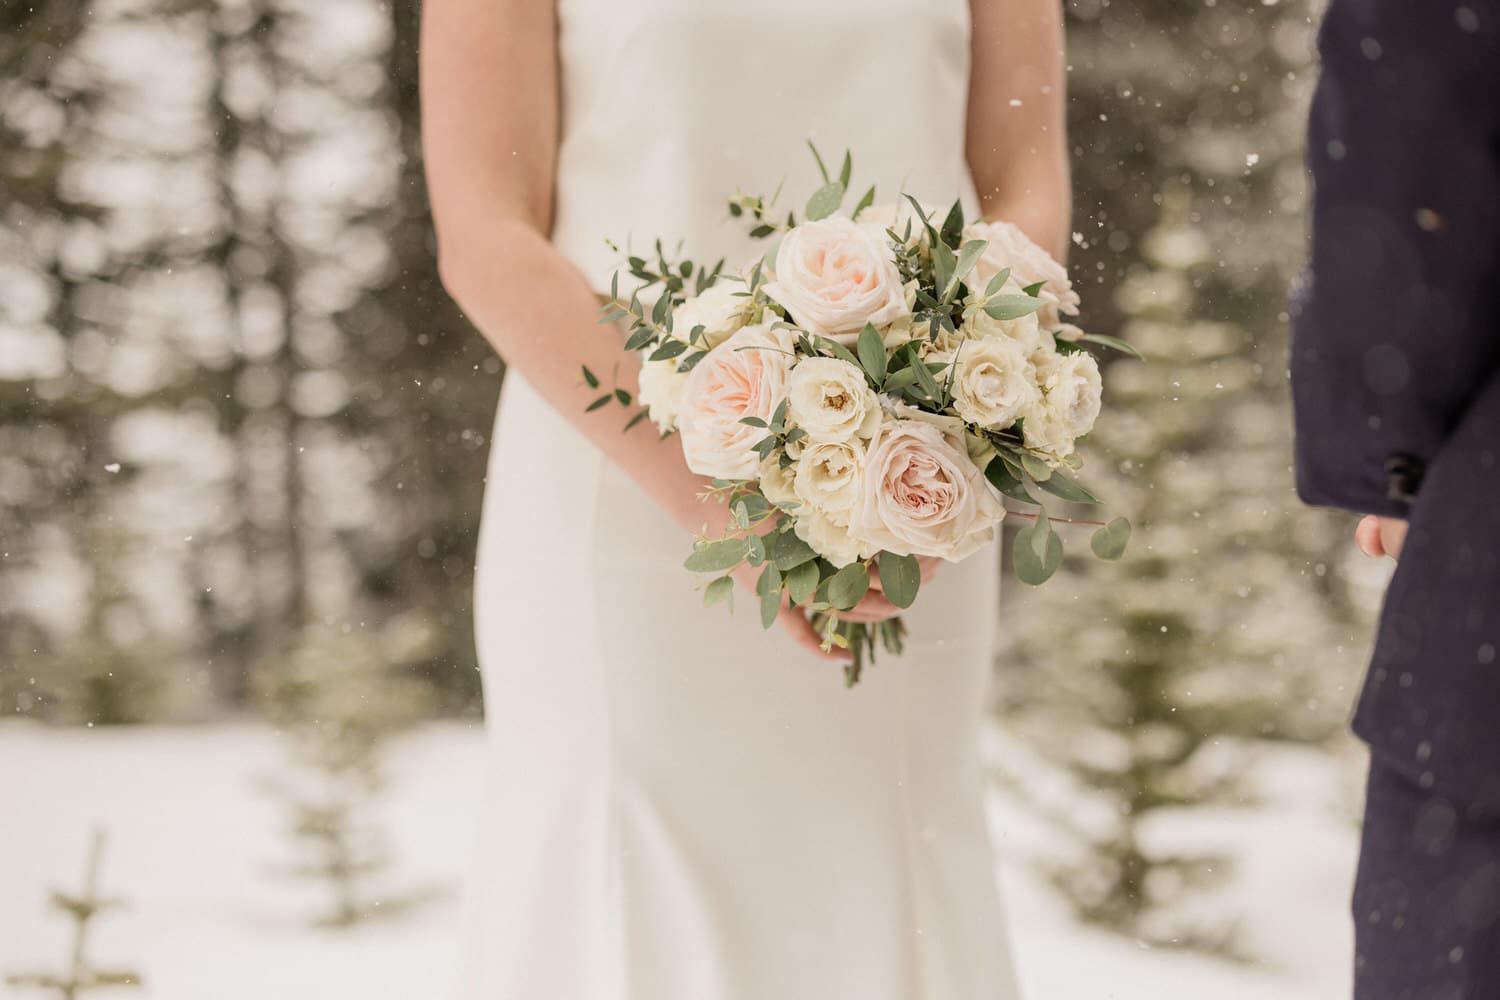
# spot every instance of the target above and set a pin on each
(193, 845)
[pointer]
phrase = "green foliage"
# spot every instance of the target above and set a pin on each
(81, 976)
(1150, 690)
(338, 699)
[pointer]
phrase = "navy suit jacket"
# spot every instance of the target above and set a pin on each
(1396, 360)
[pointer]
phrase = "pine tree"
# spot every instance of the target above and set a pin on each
(338, 698)
(82, 908)
(1147, 682)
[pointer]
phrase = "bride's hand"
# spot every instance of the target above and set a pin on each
(875, 606)
(793, 620)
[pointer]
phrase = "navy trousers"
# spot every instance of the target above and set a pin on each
(1427, 895)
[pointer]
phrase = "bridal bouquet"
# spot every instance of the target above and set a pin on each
(866, 393)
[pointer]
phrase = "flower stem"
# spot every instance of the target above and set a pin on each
(1057, 520)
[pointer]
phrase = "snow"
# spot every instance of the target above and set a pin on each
(194, 845)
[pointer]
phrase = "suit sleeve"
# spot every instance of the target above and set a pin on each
(1397, 325)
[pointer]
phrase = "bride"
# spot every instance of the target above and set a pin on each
(679, 805)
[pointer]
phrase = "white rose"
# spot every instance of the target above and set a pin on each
(923, 495)
(776, 482)
(833, 276)
(745, 376)
(992, 381)
(1072, 393)
(1028, 263)
(829, 539)
(660, 385)
(829, 477)
(831, 400)
(1026, 331)
(720, 310)
(893, 215)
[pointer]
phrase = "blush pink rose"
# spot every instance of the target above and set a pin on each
(923, 495)
(833, 276)
(745, 376)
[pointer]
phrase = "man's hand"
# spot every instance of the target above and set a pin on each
(1381, 536)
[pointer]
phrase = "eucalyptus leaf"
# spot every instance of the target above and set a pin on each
(999, 473)
(590, 378)
(1037, 469)
(825, 201)
(1038, 552)
(968, 256)
(603, 400)
(953, 225)
(768, 586)
(848, 586)
(1109, 542)
(900, 578)
(943, 265)
(802, 582)
(788, 551)
(822, 167)
(864, 203)
(927, 383)
(932, 232)
(871, 349)
(835, 348)
(643, 337)
(1060, 485)
(847, 171)
(997, 283)
(1115, 342)
(669, 349)
(717, 556)
(718, 591)
(908, 376)
(1006, 307)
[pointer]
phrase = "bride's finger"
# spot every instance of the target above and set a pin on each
(802, 632)
(1367, 537)
(873, 607)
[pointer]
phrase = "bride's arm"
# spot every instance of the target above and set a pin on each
(490, 132)
(1017, 141)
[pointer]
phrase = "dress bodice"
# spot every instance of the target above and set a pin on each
(671, 106)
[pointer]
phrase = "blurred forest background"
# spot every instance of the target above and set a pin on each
(243, 430)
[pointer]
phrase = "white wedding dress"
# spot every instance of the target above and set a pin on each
(680, 805)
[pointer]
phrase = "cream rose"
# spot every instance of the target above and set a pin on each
(992, 381)
(745, 376)
(721, 310)
(829, 477)
(830, 539)
(1028, 263)
(1072, 393)
(831, 401)
(833, 276)
(660, 385)
(923, 495)
(776, 482)
(1026, 331)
